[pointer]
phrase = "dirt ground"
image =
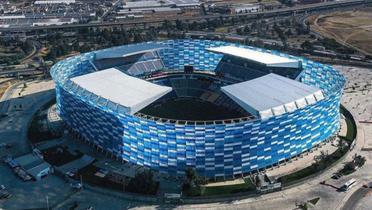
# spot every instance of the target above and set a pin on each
(4, 84)
(354, 28)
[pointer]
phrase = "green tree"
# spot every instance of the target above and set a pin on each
(143, 183)
(306, 45)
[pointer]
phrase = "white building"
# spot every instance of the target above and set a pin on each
(54, 2)
(246, 8)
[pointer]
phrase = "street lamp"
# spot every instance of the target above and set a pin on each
(47, 201)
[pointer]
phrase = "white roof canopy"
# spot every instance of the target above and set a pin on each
(267, 59)
(272, 95)
(130, 92)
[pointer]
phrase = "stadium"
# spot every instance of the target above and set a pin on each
(222, 108)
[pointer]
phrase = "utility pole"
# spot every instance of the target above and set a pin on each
(124, 185)
(47, 201)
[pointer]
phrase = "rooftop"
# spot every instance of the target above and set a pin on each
(132, 93)
(28, 159)
(265, 58)
(128, 50)
(272, 95)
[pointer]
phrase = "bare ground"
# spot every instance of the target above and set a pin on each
(352, 28)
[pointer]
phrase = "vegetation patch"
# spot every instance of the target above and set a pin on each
(230, 189)
(195, 186)
(314, 201)
(88, 175)
(60, 155)
(350, 167)
(143, 183)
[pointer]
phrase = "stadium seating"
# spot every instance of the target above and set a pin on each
(241, 70)
(199, 87)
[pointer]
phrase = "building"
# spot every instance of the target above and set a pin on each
(157, 9)
(34, 165)
(161, 3)
(246, 8)
(224, 109)
(55, 2)
(148, 12)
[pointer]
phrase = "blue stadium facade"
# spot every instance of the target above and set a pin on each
(223, 149)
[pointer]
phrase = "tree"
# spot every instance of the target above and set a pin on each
(306, 45)
(143, 183)
(191, 176)
(289, 32)
(180, 25)
(192, 184)
(302, 205)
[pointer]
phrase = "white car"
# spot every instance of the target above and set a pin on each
(76, 185)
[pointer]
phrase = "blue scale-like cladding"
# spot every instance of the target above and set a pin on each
(215, 150)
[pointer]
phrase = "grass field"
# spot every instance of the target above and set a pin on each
(229, 189)
(352, 28)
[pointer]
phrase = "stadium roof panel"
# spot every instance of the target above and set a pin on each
(132, 93)
(272, 95)
(128, 50)
(267, 59)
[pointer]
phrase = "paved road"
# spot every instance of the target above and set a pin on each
(355, 198)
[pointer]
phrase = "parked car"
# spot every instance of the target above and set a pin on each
(6, 158)
(22, 174)
(10, 162)
(70, 174)
(336, 176)
(368, 185)
(4, 194)
(5, 145)
(76, 185)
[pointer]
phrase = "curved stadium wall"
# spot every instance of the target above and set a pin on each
(214, 149)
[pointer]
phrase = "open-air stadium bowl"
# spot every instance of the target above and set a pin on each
(233, 143)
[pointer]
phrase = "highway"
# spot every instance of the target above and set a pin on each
(19, 72)
(265, 14)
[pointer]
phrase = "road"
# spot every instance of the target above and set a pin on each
(117, 3)
(266, 14)
(35, 49)
(355, 198)
(19, 72)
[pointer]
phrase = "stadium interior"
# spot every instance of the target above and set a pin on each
(196, 95)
